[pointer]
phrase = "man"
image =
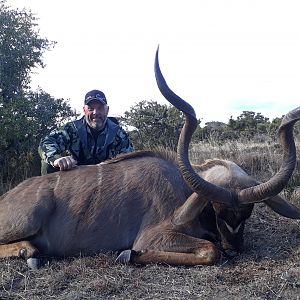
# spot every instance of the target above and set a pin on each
(89, 140)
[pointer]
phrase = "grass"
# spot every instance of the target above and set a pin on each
(269, 268)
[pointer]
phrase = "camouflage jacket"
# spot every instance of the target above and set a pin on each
(78, 139)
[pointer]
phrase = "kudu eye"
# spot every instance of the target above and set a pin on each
(233, 230)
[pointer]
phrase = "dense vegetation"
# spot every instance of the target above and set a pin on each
(25, 115)
(153, 124)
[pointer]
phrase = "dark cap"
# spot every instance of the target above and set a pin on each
(95, 95)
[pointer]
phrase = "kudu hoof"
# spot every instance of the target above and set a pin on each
(125, 257)
(34, 263)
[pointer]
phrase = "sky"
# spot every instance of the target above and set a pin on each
(221, 56)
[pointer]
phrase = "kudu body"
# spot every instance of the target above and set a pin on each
(153, 202)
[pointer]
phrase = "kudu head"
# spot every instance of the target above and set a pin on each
(230, 223)
(232, 206)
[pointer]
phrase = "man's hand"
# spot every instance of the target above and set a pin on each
(65, 163)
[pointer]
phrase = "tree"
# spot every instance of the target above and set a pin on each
(212, 131)
(249, 123)
(25, 115)
(152, 124)
(21, 49)
(23, 123)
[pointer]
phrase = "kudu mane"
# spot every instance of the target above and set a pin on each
(158, 152)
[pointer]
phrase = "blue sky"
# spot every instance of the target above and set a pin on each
(221, 56)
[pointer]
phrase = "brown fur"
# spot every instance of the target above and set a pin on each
(112, 206)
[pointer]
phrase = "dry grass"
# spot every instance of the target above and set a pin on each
(269, 268)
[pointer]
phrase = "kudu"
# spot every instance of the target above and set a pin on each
(159, 206)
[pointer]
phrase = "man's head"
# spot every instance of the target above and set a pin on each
(95, 109)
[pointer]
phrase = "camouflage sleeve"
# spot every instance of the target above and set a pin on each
(54, 145)
(124, 144)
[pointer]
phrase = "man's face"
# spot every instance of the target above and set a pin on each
(96, 114)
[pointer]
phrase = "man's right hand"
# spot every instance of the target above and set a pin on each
(65, 163)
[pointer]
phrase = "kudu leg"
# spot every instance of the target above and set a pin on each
(176, 258)
(22, 249)
(175, 249)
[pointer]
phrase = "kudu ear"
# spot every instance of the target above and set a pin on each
(283, 208)
(191, 209)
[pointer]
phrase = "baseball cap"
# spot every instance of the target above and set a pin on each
(95, 95)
